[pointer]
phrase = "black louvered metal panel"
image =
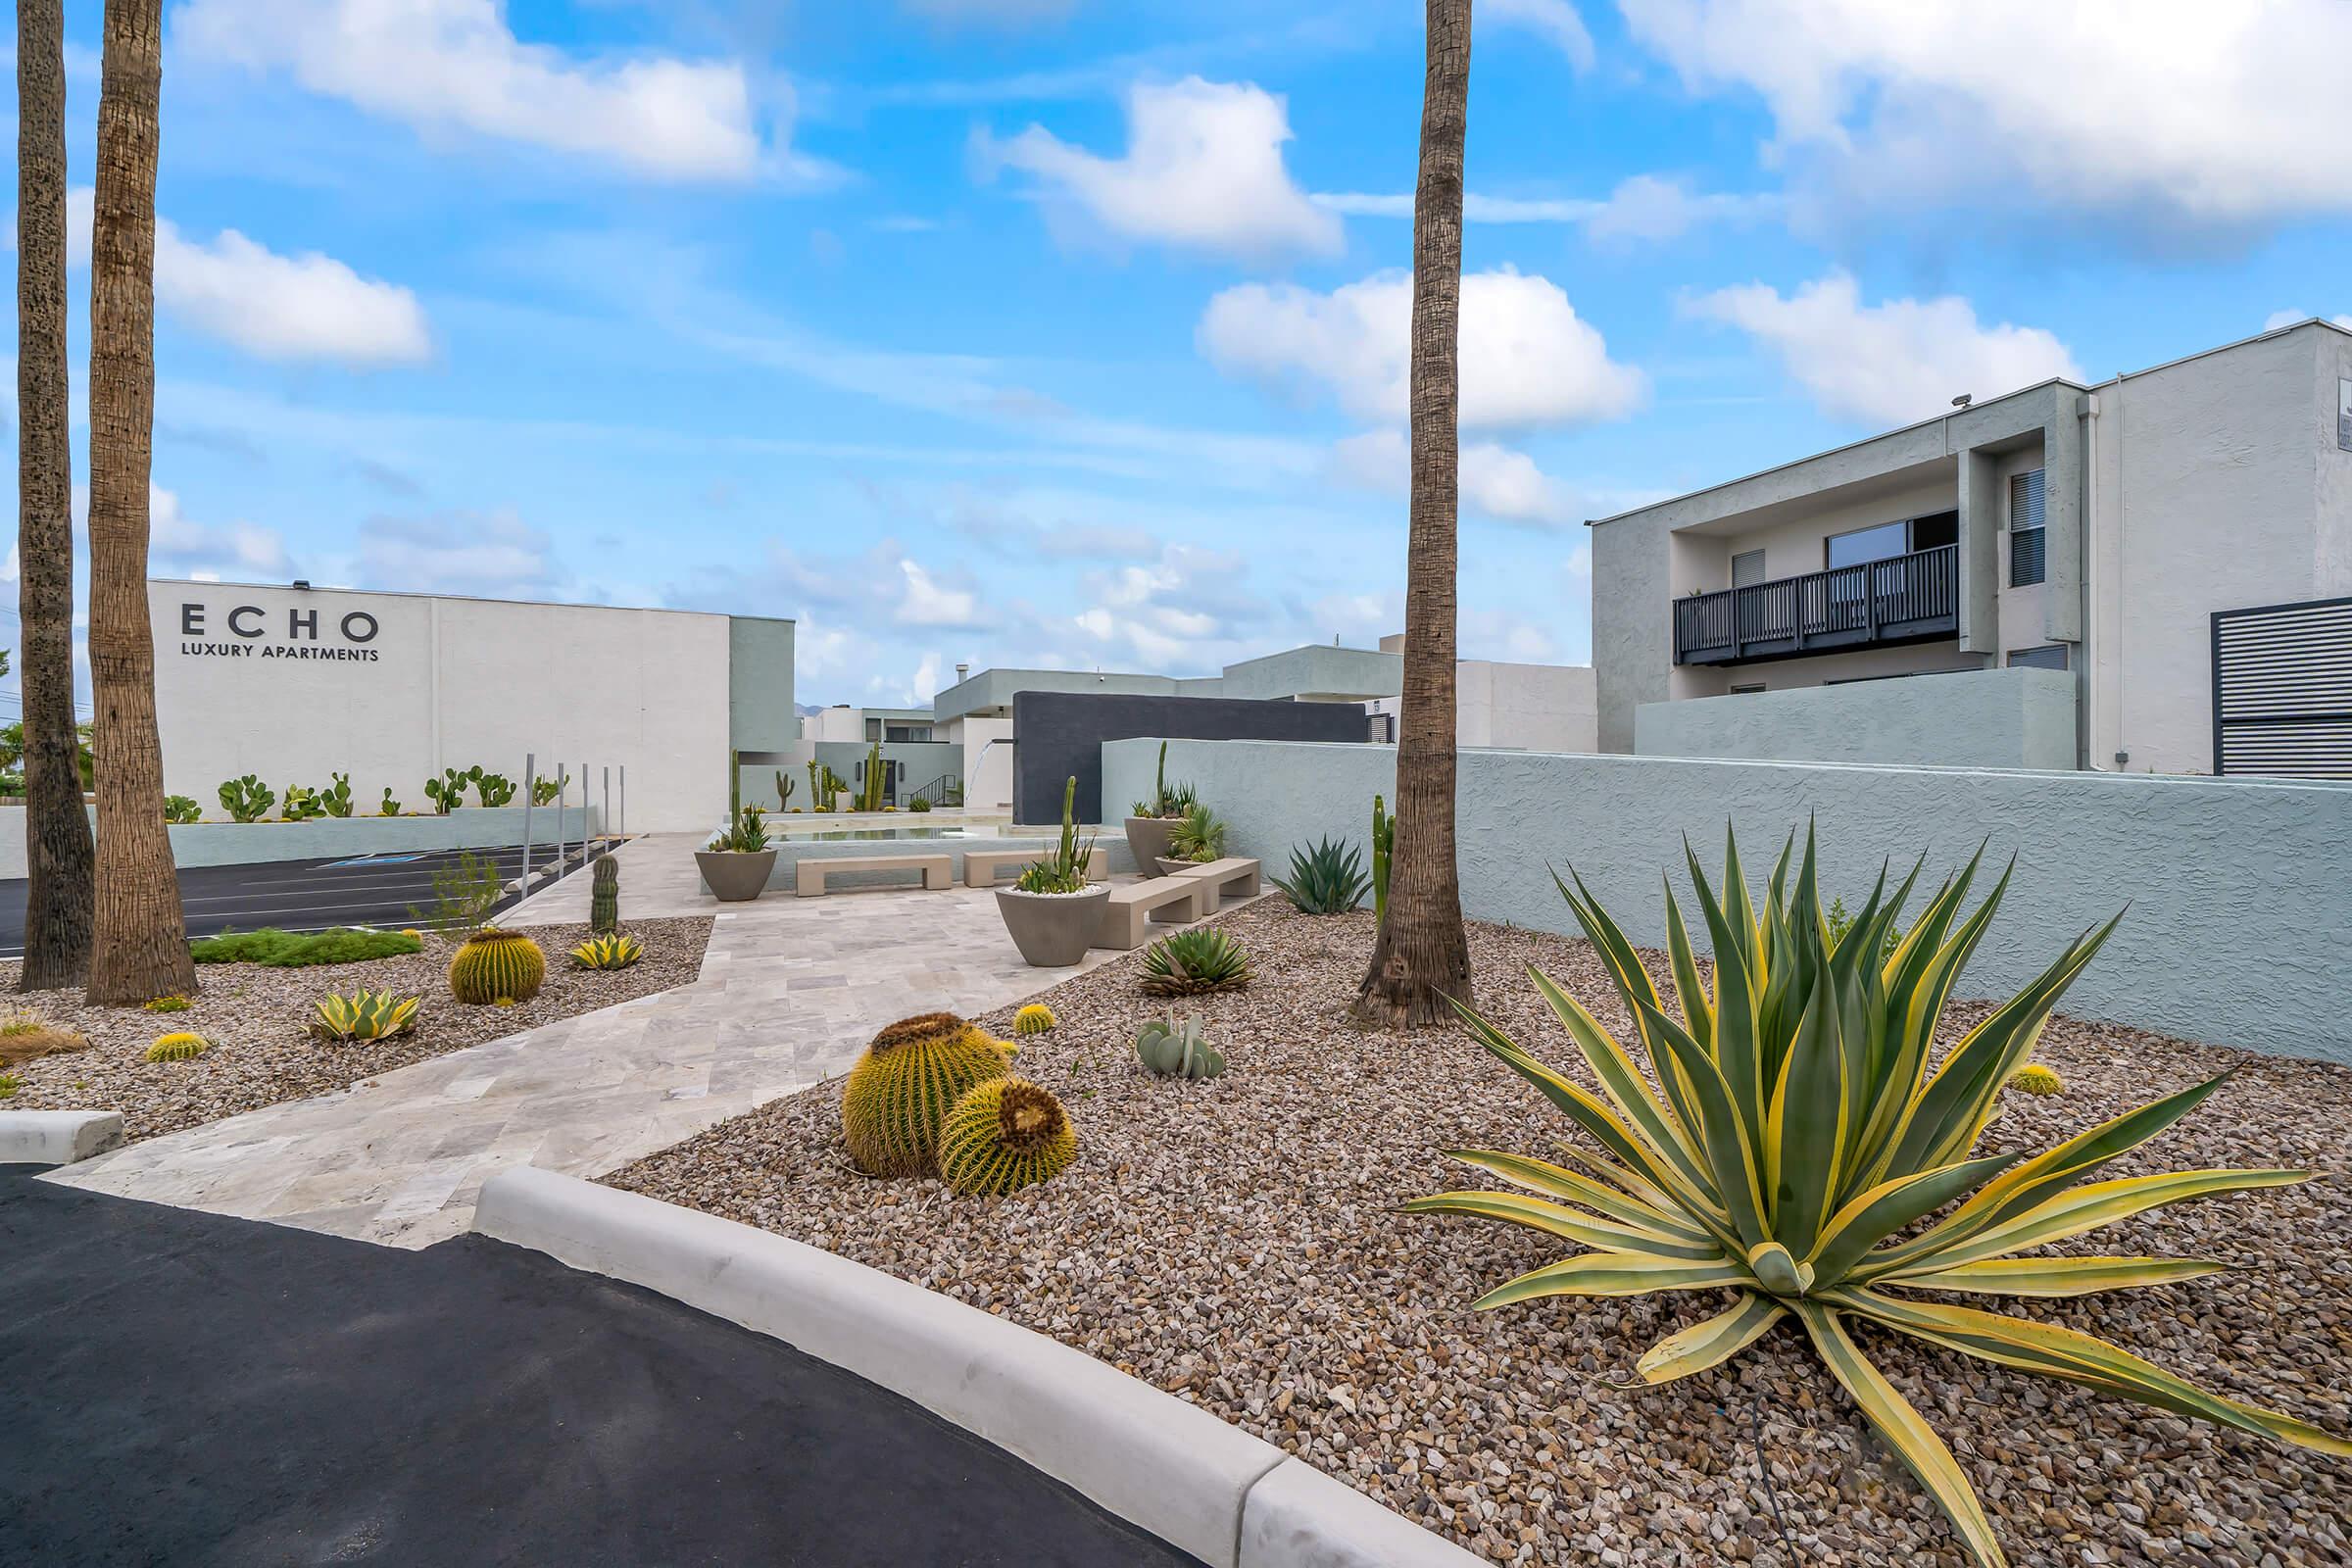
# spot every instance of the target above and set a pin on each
(2283, 690)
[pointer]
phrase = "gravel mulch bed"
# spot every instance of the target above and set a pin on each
(258, 1019)
(1234, 1242)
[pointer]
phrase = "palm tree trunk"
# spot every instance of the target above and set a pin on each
(141, 947)
(57, 830)
(1422, 956)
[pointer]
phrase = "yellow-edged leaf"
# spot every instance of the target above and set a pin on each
(2061, 1275)
(1557, 1219)
(1712, 1342)
(1616, 1274)
(1891, 1416)
(1557, 1180)
(2080, 1210)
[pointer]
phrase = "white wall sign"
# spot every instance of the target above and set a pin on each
(249, 631)
(2343, 414)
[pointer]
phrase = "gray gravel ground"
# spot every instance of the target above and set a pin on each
(1234, 1242)
(258, 1019)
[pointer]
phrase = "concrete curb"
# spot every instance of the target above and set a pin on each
(1231, 1499)
(57, 1137)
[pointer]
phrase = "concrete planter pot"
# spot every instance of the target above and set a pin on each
(1147, 839)
(1052, 930)
(734, 878)
(1170, 866)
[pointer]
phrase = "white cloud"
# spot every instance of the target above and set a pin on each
(1498, 482)
(457, 65)
(2279, 318)
(928, 602)
(2183, 111)
(1184, 612)
(1557, 20)
(306, 306)
(1644, 207)
(178, 545)
(1203, 170)
(1526, 359)
(494, 555)
(1888, 363)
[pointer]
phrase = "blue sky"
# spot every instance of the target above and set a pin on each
(1069, 332)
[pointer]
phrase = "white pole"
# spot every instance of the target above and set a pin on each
(530, 762)
(622, 826)
(607, 824)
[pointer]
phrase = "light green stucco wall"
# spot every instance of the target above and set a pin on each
(761, 717)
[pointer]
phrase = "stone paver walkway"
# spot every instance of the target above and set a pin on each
(790, 992)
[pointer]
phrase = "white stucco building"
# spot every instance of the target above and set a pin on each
(295, 684)
(2151, 573)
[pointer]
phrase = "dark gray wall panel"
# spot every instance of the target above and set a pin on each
(1058, 735)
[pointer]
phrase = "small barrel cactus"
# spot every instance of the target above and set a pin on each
(1175, 1050)
(2036, 1079)
(604, 896)
(1003, 1135)
(902, 1089)
(1034, 1020)
(179, 1046)
(495, 965)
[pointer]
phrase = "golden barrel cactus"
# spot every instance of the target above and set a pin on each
(901, 1090)
(1004, 1135)
(494, 965)
(1034, 1020)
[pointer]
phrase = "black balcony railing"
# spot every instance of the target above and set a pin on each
(1903, 599)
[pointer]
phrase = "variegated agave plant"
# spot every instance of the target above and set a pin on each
(1798, 1130)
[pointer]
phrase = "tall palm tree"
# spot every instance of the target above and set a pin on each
(1422, 956)
(57, 831)
(141, 947)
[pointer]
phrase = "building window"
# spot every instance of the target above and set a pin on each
(1747, 569)
(1884, 542)
(2026, 532)
(2050, 656)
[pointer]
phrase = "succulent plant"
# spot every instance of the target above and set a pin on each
(903, 1086)
(335, 799)
(1198, 835)
(1175, 1050)
(182, 808)
(1384, 849)
(604, 896)
(9, 1083)
(448, 791)
(1004, 1134)
(495, 965)
(1195, 961)
(608, 953)
(2036, 1079)
(1797, 1150)
(247, 799)
(1328, 879)
(299, 804)
(745, 833)
(1065, 869)
(170, 1004)
(365, 1014)
(1034, 1020)
(178, 1046)
(389, 806)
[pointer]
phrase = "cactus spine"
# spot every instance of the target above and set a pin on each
(494, 965)
(604, 896)
(1003, 1135)
(1384, 844)
(902, 1089)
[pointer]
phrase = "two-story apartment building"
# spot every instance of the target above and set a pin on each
(2154, 573)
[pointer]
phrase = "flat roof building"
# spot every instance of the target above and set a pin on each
(2148, 573)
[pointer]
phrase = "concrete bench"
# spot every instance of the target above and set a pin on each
(1235, 876)
(980, 866)
(1161, 897)
(811, 871)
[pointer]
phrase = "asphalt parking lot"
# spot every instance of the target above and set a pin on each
(297, 895)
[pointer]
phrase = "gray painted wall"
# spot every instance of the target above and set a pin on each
(919, 762)
(1975, 719)
(1058, 735)
(761, 717)
(2238, 922)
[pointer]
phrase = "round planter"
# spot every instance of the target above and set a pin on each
(1169, 865)
(735, 878)
(1052, 930)
(1147, 839)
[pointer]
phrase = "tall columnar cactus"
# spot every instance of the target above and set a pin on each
(902, 1089)
(869, 799)
(604, 896)
(1384, 845)
(818, 798)
(784, 787)
(494, 965)
(1003, 1135)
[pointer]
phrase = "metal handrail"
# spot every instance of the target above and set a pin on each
(1789, 612)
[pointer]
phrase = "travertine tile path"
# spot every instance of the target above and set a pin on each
(790, 991)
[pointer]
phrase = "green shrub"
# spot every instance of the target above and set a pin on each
(1328, 879)
(182, 808)
(247, 799)
(274, 949)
